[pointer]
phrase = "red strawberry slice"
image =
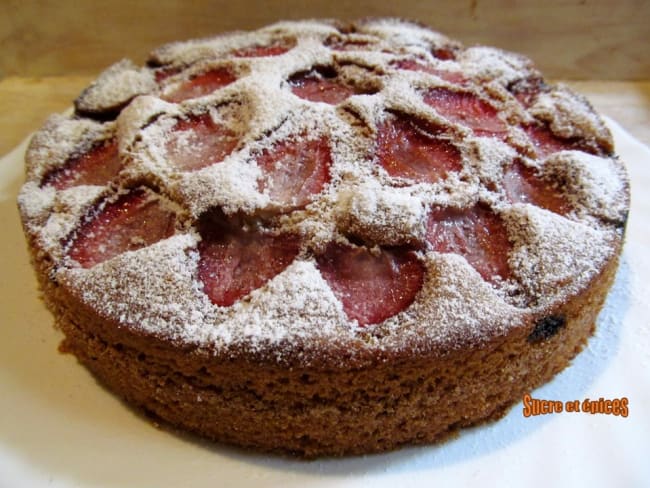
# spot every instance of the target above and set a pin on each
(545, 142)
(257, 51)
(95, 167)
(202, 84)
(523, 185)
(135, 220)
(406, 151)
(198, 142)
(234, 261)
(467, 109)
(444, 53)
(477, 234)
(162, 73)
(295, 170)
(413, 65)
(371, 286)
(527, 90)
(526, 97)
(321, 87)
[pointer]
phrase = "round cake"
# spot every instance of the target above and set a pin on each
(325, 238)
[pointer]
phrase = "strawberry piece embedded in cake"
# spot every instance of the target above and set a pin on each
(201, 84)
(95, 167)
(294, 170)
(444, 53)
(275, 48)
(237, 260)
(199, 141)
(407, 151)
(523, 185)
(414, 65)
(135, 220)
(477, 234)
(161, 73)
(371, 285)
(467, 109)
(545, 142)
(321, 85)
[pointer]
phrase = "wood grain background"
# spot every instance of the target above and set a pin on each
(570, 39)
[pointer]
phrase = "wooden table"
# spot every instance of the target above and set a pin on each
(26, 102)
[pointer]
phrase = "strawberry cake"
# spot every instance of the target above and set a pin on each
(323, 238)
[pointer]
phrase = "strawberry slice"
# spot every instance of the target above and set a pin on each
(477, 234)
(526, 97)
(371, 286)
(235, 261)
(257, 51)
(527, 90)
(202, 84)
(444, 53)
(135, 220)
(545, 142)
(199, 141)
(164, 72)
(523, 185)
(467, 109)
(321, 86)
(295, 170)
(413, 65)
(405, 150)
(96, 167)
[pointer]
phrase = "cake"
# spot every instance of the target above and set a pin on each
(325, 238)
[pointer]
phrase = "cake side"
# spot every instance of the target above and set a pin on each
(334, 410)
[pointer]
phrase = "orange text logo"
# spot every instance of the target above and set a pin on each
(537, 406)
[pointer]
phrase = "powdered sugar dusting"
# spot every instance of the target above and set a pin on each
(115, 87)
(455, 293)
(384, 216)
(569, 116)
(296, 307)
(489, 64)
(60, 139)
(544, 256)
(354, 200)
(595, 185)
(153, 288)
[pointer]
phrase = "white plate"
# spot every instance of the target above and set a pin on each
(59, 428)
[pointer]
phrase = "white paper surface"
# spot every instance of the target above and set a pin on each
(59, 428)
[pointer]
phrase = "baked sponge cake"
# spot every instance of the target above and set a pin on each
(324, 238)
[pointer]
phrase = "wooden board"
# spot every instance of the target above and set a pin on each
(577, 39)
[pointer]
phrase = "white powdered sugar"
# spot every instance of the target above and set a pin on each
(489, 64)
(60, 139)
(295, 307)
(553, 257)
(595, 185)
(34, 204)
(381, 215)
(231, 186)
(569, 115)
(455, 293)
(153, 287)
(156, 290)
(115, 87)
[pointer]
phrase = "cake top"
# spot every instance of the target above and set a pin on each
(376, 187)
